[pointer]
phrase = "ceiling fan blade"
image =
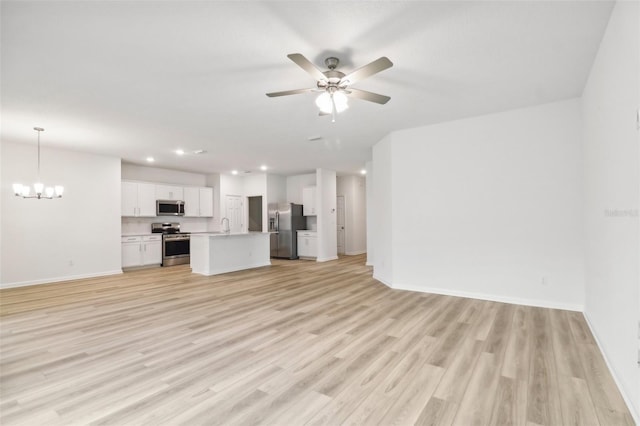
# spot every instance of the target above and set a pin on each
(306, 65)
(289, 92)
(374, 67)
(367, 96)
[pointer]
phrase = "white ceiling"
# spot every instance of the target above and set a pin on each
(139, 78)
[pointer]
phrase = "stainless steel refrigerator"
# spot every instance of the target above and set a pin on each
(284, 220)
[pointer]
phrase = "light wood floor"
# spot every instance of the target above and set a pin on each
(297, 343)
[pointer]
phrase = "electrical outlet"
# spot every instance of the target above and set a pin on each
(544, 281)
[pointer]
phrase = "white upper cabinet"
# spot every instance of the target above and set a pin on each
(138, 199)
(206, 202)
(169, 192)
(198, 202)
(309, 201)
(191, 202)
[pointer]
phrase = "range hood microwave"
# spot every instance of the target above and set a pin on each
(169, 208)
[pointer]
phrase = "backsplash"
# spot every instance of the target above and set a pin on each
(142, 225)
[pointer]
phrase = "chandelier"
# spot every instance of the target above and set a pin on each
(50, 192)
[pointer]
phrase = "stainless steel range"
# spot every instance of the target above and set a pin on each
(175, 244)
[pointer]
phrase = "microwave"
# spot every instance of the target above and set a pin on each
(169, 208)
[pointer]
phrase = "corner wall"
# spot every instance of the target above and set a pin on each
(487, 207)
(612, 185)
(74, 237)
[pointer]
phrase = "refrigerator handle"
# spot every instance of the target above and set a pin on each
(277, 221)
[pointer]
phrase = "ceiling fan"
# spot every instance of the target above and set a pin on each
(335, 86)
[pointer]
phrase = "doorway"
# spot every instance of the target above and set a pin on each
(255, 213)
(340, 223)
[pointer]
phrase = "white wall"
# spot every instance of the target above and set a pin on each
(353, 190)
(369, 212)
(295, 184)
(276, 189)
(159, 175)
(489, 206)
(381, 230)
(326, 215)
(611, 171)
(52, 240)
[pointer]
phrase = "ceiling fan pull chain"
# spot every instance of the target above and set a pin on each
(333, 109)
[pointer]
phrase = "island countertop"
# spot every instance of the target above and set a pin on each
(225, 234)
(215, 253)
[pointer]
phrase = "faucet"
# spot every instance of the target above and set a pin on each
(228, 229)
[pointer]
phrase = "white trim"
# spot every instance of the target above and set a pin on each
(326, 259)
(627, 399)
(375, 277)
(58, 279)
(355, 253)
(492, 298)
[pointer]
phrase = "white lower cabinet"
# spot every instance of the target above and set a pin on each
(141, 250)
(307, 244)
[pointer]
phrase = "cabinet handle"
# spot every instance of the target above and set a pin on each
(145, 247)
(140, 248)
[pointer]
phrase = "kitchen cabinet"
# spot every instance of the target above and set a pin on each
(169, 192)
(198, 202)
(309, 201)
(138, 199)
(141, 250)
(307, 244)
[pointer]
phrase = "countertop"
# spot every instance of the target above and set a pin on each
(224, 234)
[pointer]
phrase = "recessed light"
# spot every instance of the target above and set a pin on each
(263, 168)
(234, 172)
(180, 151)
(150, 159)
(363, 172)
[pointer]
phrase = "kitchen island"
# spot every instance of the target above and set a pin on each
(219, 253)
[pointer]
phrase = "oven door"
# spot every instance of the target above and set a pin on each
(176, 250)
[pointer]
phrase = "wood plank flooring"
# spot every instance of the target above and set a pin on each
(296, 343)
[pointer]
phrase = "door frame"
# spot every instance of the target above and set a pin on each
(344, 223)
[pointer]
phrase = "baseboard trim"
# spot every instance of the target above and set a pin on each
(625, 396)
(355, 253)
(377, 277)
(491, 297)
(59, 279)
(326, 259)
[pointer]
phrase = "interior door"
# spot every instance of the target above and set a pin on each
(340, 223)
(235, 208)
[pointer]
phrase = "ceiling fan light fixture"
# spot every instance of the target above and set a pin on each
(325, 103)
